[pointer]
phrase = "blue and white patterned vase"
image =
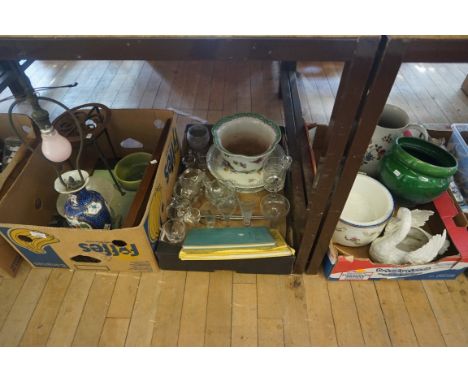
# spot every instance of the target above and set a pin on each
(83, 208)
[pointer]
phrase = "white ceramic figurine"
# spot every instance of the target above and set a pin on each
(405, 242)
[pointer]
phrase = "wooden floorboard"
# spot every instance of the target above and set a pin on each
(345, 314)
(400, 328)
(40, 325)
(62, 308)
(219, 309)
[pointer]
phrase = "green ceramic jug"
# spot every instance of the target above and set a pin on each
(417, 171)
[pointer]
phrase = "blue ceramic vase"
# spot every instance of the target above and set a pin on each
(84, 208)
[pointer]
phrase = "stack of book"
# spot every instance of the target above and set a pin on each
(233, 243)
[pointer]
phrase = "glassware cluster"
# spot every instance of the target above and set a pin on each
(202, 199)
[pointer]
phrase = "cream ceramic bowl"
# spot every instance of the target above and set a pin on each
(367, 210)
(245, 140)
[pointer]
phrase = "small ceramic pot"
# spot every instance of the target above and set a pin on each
(393, 123)
(130, 169)
(458, 146)
(366, 213)
(417, 171)
(83, 208)
(245, 140)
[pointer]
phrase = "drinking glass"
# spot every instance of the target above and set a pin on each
(226, 206)
(247, 208)
(174, 230)
(189, 160)
(215, 190)
(201, 161)
(194, 174)
(198, 138)
(192, 216)
(187, 188)
(177, 208)
(274, 207)
(208, 214)
(274, 173)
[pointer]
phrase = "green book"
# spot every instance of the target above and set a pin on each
(235, 237)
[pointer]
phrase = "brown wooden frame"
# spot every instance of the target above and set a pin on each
(394, 51)
(310, 197)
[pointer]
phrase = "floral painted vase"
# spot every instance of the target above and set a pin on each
(393, 123)
(83, 208)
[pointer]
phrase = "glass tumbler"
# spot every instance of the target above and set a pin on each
(247, 207)
(274, 173)
(226, 206)
(174, 230)
(177, 208)
(274, 207)
(215, 190)
(198, 138)
(208, 214)
(187, 188)
(192, 216)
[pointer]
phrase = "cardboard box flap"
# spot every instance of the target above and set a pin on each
(31, 200)
(455, 222)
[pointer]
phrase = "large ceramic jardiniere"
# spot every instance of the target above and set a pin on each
(245, 140)
(393, 123)
(417, 171)
(367, 210)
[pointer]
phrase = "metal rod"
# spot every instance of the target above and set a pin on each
(110, 143)
(236, 217)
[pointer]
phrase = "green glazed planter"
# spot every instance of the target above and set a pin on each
(417, 171)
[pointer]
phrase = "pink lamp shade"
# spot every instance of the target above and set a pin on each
(55, 147)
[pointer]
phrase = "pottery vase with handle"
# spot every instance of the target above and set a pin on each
(393, 123)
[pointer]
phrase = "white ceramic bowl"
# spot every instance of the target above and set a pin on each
(366, 213)
(245, 140)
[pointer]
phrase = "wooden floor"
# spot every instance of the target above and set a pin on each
(62, 308)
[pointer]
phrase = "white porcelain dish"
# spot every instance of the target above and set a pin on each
(367, 210)
(247, 182)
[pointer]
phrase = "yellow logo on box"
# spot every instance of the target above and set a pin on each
(33, 241)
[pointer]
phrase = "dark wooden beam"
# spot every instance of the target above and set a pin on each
(293, 127)
(443, 49)
(178, 48)
(380, 83)
(350, 93)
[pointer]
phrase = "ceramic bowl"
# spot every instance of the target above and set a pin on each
(130, 169)
(246, 140)
(367, 210)
(416, 171)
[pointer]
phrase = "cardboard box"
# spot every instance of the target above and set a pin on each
(347, 263)
(10, 260)
(167, 254)
(28, 206)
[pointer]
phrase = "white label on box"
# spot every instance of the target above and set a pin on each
(38, 234)
(356, 275)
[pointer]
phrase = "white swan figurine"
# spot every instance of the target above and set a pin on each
(405, 242)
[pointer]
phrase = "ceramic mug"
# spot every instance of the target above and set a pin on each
(393, 123)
